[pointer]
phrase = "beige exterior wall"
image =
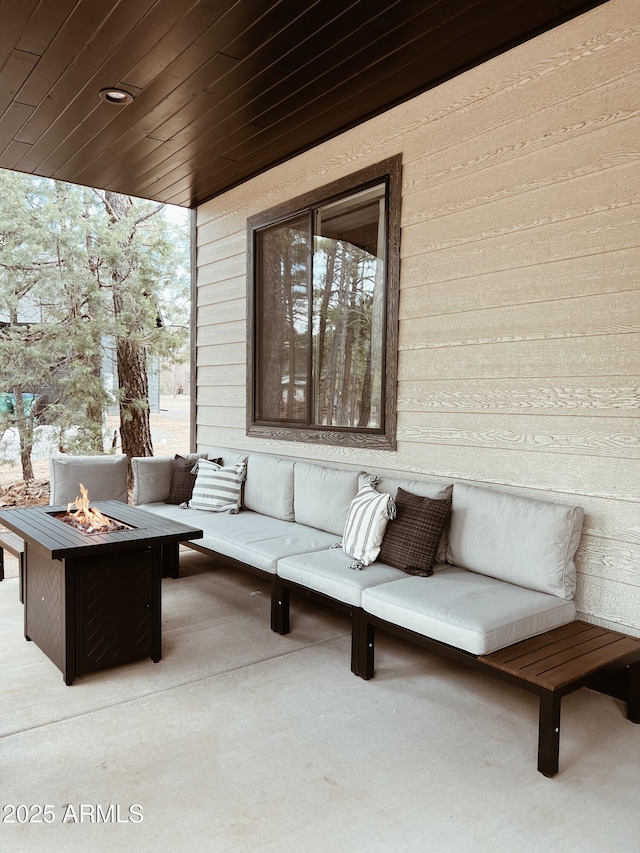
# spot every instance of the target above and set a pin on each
(519, 357)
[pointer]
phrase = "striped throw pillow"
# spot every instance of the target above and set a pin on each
(217, 488)
(369, 513)
(183, 477)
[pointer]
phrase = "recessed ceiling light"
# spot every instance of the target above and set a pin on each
(116, 96)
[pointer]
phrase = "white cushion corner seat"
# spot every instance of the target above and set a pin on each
(275, 521)
(503, 582)
(509, 571)
(473, 612)
(510, 575)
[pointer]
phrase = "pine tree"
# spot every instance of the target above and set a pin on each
(82, 270)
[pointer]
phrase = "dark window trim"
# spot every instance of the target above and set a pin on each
(385, 438)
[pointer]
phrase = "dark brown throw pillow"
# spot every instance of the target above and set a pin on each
(182, 480)
(411, 540)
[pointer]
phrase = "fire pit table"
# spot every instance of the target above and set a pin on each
(93, 600)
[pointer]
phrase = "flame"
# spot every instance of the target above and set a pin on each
(86, 517)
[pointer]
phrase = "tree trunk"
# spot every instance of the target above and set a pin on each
(320, 404)
(365, 399)
(94, 409)
(24, 424)
(135, 426)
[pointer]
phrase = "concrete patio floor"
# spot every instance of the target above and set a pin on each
(242, 740)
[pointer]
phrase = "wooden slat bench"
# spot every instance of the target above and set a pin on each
(563, 660)
(14, 545)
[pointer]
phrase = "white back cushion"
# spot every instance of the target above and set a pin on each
(151, 479)
(269, 486)
(104, 477)
(424, 488)
(323, 495)
(521, 540)
(228, 455)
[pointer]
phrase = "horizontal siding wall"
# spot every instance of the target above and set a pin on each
(519, 358)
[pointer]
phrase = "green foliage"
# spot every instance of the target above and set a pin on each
(82, 271)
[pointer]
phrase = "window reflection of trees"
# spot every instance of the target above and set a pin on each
(323, 322)
(345, 278)
(283, 323)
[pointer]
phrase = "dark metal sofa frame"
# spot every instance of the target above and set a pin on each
(600, 663)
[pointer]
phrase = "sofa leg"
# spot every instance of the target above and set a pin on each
(364, 636)
(633, 697)
(357, 625)
(21, 578)
(549, 733)
(279, 607)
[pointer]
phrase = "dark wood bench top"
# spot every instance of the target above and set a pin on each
(11, 543)
(565, 655)
(14, 545)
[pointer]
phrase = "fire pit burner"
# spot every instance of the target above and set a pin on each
(87, 519)
(110, 526)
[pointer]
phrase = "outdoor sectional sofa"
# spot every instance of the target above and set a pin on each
(504, 573)
(504, 567)
(499, 599)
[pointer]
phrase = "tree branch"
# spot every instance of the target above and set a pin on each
(149, 214)
(107, 206)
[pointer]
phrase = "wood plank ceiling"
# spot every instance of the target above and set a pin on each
(224, 89)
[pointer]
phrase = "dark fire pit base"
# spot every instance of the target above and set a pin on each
(95, 612)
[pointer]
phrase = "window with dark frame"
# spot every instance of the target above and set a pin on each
(323, 278)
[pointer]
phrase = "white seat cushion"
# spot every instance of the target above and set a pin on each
(467, 610)
(177, 513)
(328, 572)
(249, 537)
